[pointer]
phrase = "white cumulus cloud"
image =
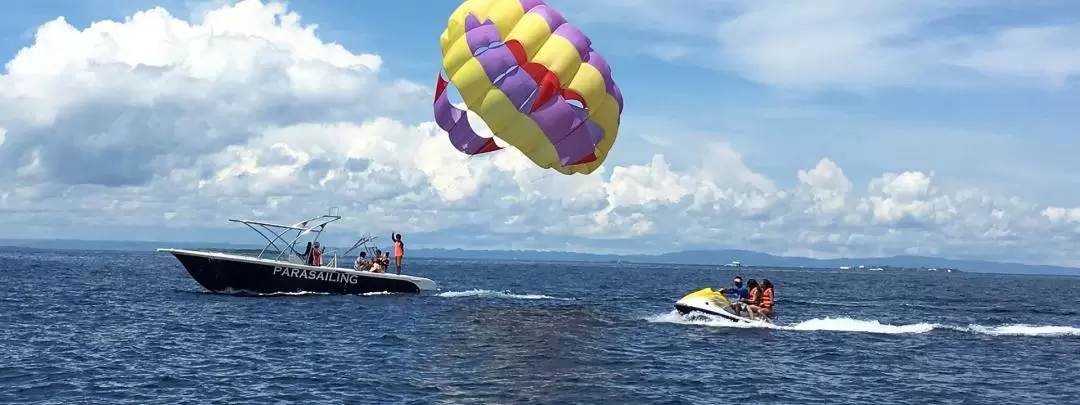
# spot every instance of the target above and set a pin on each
(156, 121)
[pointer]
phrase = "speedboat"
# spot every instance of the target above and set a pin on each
(713, 303)
(282, 269)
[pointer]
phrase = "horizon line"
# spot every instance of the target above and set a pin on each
(495, 250)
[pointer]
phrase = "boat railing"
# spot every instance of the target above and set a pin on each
(362, 244)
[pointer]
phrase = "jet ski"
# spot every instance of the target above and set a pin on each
(713, 303)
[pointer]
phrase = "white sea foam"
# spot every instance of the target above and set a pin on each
(498, 294)
(871, 326)
(232, 291)
(378, 293)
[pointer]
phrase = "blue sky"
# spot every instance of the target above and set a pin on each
(737, 96)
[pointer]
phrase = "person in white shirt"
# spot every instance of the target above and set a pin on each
(361, 263)
(376, 263)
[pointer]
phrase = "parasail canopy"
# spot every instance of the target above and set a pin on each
(534, 79)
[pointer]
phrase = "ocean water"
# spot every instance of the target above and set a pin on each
(119, 328)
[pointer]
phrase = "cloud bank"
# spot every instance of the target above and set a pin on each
(160, 122)
(860, 45)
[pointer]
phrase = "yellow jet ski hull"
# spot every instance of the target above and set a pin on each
(710, 302)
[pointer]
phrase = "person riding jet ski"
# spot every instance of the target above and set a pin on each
(740, 291)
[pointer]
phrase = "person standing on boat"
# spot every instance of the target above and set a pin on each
(306, 256)
(316, 255)
(399, 250)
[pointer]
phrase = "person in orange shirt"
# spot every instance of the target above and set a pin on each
(316, 255)
(399, 250)
(764, 306)
(754, 297)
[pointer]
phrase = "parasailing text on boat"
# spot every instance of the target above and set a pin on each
(319, 275)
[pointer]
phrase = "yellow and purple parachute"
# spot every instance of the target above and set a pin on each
(535, 81)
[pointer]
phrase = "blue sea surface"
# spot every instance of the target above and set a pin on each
(80, 327)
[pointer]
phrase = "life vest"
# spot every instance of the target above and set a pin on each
(753, 297)
(399, 248)
(767, 298)
(316, 257)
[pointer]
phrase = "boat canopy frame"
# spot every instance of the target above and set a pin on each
(274, 233)
(278, 232)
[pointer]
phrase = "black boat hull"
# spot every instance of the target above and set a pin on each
(222, 273)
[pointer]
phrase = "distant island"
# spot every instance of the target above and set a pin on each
(721, 257)
(751, 259)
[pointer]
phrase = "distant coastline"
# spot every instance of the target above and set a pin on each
(718, 257)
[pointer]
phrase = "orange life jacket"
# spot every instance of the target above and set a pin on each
(753, 296)
(316, 257)
(767, 298)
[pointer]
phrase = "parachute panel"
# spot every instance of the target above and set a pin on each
(559, 56)
(456, 55)
(520, 131)
(591, 86)
(471, 81)
(455, 122)
(505, 14)
(531, 31)
(608, 119)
